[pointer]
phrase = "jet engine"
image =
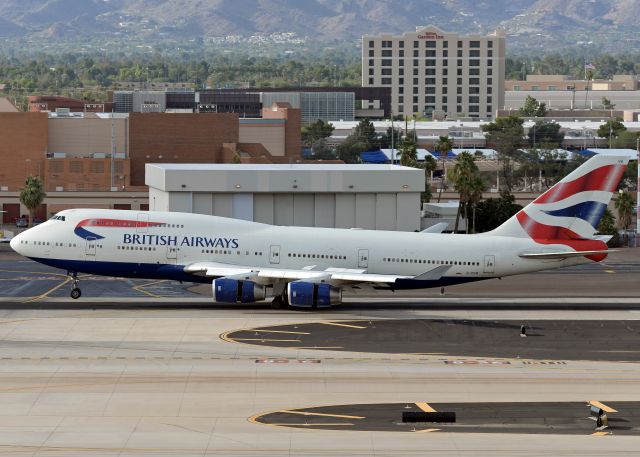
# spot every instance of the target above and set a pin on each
(228, 290)
(311, 295)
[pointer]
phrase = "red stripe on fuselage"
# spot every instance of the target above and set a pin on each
(549, 234)
(604, 179)
(121, 223)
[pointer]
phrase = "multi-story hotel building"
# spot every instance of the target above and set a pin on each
(437, 73)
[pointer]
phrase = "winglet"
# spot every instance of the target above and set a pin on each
(437, 228)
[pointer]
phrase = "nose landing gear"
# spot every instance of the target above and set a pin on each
(75, 290)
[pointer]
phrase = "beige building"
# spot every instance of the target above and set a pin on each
(437, 73)
(564, 82)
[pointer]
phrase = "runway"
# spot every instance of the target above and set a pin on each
(136, 375)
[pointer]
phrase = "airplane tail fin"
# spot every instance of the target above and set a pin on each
(570, 211)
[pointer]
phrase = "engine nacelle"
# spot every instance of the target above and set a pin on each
(311, 295)
(227, 290)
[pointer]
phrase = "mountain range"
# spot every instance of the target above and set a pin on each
(529, 23)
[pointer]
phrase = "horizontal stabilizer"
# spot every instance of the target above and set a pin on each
(437, 228)
(562, 255)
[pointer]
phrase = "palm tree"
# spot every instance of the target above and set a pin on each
(443, 145)
(468, 184)
(32, 196)
(625, 205)
(408, 153)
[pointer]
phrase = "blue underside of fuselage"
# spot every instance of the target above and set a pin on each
(177, 273)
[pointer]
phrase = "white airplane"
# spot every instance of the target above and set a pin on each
(307, 266)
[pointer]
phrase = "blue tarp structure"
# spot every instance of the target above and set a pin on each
(450, 154)
(374, 157)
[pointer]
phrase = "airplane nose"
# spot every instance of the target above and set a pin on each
(14, 243)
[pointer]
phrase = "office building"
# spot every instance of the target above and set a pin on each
(437, 74)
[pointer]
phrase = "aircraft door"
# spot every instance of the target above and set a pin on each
(363, 258)
(172, 254)
(489, 264)
(90, 248)
(143, 223)
(274, 254)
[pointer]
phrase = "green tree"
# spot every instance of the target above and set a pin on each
(443, 146)
(386, 140)
(493, 212)
(32, 195)
(625, 206)
(349, 150)
(408, 152)
(322, 151)
(429, 166)
(533, 108)
(607, 226)
(366, 133)
(505, 136)
(316, 131)
(613, 127)
(606, 103)
(467, 182)
(546, 132)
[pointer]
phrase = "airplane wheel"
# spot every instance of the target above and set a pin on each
(277, 302)
(76, 293)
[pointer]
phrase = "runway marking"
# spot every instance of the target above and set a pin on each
(609, 271)
(46, 294)
(139, 288)
(321, 424)
(277, 331)
(342, 325)
(306, 413)
(428, 430)
(602, 406)
(265, 339)
(316, 347)
(426, 407)
(601, 433)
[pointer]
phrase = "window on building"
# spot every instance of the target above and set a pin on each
(386, 81)
(489, 62)
(401, 62)
(430, 90)
(489, 99)
(415, 44)
(370, 44)
(535, 87)
(489, 90)
(474, 81)
(444, 89)
(371, 62)
(459, 71)
(458, 99)
(430, 44)
(416, 53)
(489, 81)
(445, 108)
(445, 63)
(474, 53)
(416, 62)
(371, 81)
(400, 80)
(474, 90)
(445, 44)
(474, 44)
(429, 53)
(415, 99)
(401, 43)
(474, 71)
(489, 53)
(459, 90)
(444, 99)
(370, 71)
(459, 43)
(445, 71)
(474, 99)
(386, 71)
(430, 99)
(387, 44)
(474, 62)
(415, 81)
(387, 53)
(371, 53)
(459, 81)
(400, 108)
(430, 71)
(401, 90)
(445, 53)
(430, 63)
(474, 109)
(552, 88)
(415, 72)
(489, 71)
(489, 44)
(459, 52)
(489, 109)
(386, 62)
(401, 99)
(415, 90)
(516, 88)
(415, 109)
(401, 71)
(430, 80)
(459, 109)
(459, 62)
(401, 53)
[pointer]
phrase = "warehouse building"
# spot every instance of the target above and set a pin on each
(381, 197)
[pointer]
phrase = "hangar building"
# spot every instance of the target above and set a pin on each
(381, 197)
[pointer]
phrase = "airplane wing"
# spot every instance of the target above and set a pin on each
(330, 275)
(437, 228)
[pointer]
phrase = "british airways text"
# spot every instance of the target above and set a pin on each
(191, 241)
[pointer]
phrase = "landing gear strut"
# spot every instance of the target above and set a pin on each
(279, 301)
(75, 290)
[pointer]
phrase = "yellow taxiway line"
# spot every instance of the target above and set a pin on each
(277, 331)
(428, 430)
(306, 413)
(426, 407)
(602, 406)
(342, 325)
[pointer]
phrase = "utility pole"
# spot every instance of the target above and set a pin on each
(638, 192)
(113, 153)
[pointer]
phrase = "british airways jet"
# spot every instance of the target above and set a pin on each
(308, 267)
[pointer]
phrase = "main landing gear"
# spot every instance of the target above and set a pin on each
(75, 290)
